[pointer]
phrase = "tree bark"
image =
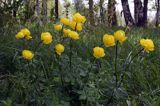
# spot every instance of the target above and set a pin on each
(112, 19)
(101, 10)
(127, 14)
(44, 11)
(145, 12)
(158, 13)
(38, 11)
(14, 9)
(56, 10)
(140, 12)
(91, 12)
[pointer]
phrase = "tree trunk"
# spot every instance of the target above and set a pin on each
(91, 12)
(14, 9)
(158, 13)
(56, 10)
(145, 12)
(140, 12)
(127, 13)
(101, 11)
(38, 13)
(44, 11)
(112, 19)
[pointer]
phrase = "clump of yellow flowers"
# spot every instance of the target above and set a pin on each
(46, 38)
(98, 52)
(147, 44)
(59, 49)
(27, 54)
(24, 33)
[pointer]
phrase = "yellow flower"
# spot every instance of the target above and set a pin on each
(79, 27)
(65, 21)
(98, 52)
(28, 37)
(59, 49)
(46, 37)
(26, 32)
(147, 44)
(83, 19)
(78, 18)
(19, 35)
(74, 25)
(73, 35)
(58, 27)
(108, 40)
(120, 36)
(66, 32)
(27, 54)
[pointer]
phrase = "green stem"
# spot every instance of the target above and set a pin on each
(115, 65)
(61, 33)
(70, 56)
(60, 69)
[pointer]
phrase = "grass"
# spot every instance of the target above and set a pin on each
(48, 80)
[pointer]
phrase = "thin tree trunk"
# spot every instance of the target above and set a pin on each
(14, 9)
(112, 19)
(101, 11)
(127, 14)
(158, 13)
(44, 11)
(56, 10)
(91, 12)
(38, 13)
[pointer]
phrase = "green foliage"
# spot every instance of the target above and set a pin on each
(48, 79)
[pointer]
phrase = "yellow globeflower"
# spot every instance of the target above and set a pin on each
(27, 54)
(120, 36)
(19, 35)
(46, 37)
(73, 35)
(66, 32)
(65, 21)
(147, 44)
(26, 32)
(78, 18)
(58, 27)
(108, 40)
(98, 52)
(76, 26)
(28, 37)
(83, 19)
(72, 24)
(79, 27)
(59, 49)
